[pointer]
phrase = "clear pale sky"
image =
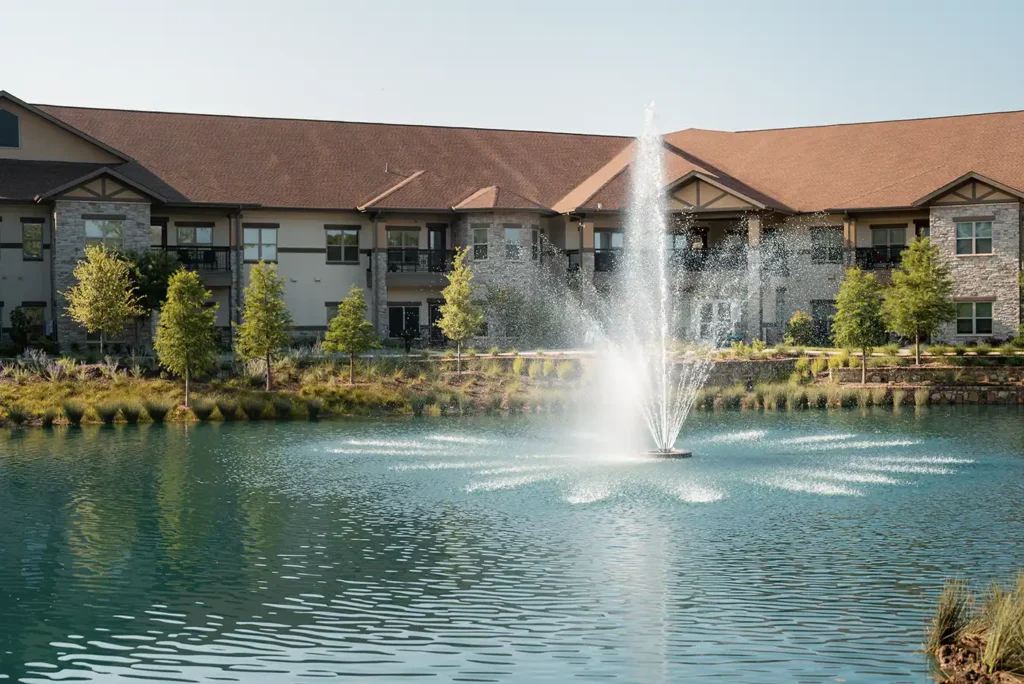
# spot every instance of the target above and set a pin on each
(587, 66)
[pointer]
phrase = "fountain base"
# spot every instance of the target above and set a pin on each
(669, 453)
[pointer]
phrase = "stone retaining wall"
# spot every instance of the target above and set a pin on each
(938, 375)
(977, 394)
(729, 373)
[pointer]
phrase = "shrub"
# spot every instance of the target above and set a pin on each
(796, 398)
(899, 397)
(879, 396)
(951, 615)
(202, 408)
(518, 365)
(938, 349)
(565, 370)
(18, 415)
(313, 407)
(494, 351)
(254, 407)
(983, 349)
(535, 368)
(282, 406)
(757, 345)
(1007, 349)
(921, 397)
(960, 349)
(107, 412)
(802, 365)
(131, 410)
(548, 368)
(228, 407)
(433, 410)
(836, 361)
(890, 349)
(800, 329)
(157, 409)
(864, 398)
(818, 366)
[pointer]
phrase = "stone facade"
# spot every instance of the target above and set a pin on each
(69, 248)
(989, 277)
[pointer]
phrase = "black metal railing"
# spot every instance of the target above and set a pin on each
(415, 260)
(703, 259)
(210, 259)
(880, 257)
(607, 259)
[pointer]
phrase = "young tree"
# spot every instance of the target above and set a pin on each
(103, 298)
(858, 321)
(349, 332)
(186, 341)
(800, 329)
(460, 317)
(263, 332)
(921, 297)
(151, 272)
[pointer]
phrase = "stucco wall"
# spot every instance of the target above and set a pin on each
(44, 141)
(20, 280)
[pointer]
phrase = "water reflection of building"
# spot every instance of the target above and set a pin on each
(338, 204)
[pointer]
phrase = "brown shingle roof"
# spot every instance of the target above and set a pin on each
(24, 180)
(340, 165)
(496, 197)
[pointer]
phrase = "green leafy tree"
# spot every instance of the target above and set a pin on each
(460, 318)
(858, 321)
(103, 298)
(186, 341)
(21, 329)
(151, 272)
(349, 332)
(263, 332)
(800, 329)
(921, 297)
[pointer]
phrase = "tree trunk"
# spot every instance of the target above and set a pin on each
(458, 357)
(351, 369)
(864, 366)
(188, 385)
(103, 338)
(268, 372)
(917, 349)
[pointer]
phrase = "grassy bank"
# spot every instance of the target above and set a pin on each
(59, 391)
(979, 638)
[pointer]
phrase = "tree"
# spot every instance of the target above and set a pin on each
(460, 318)
(921, 297)
(800, 329)
(103, 298)
(21, 329)
(263, 332)
(349, 332)
(186, 341)
(858, 320)
(151, 272)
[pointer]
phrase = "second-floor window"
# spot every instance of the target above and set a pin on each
(108, 233)
(480, 242)
(260, 244)
(974, 237)
(827, 245)
(404, 238)
(32, 240)
(513, 248)
(342, 245)
(608, 239)
(198, 236)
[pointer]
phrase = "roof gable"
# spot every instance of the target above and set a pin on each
(102, 185)
(971, 188)
(43, 137)
(698, 192)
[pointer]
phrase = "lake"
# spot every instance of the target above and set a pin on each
(806, 547)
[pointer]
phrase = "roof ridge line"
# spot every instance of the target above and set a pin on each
(392, 190)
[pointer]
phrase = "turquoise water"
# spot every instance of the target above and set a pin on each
(791, 548)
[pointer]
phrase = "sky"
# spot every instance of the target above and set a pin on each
(587, 67)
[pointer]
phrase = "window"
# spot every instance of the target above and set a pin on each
(717, 320)
(260, 244)
(513, 248)
(922, 228)
(35, 316)
(480, 241)
(974, 237)
(823, 313)
(194, 236)
(827, 245)
(404, 238)
(608, 239)
(404, 320)
(974, 318)
(157, 233)
(106, 232)
(342, 245)
(888, 236)
(31, 240)
(9, 136)
(535, 243)
(332, 311)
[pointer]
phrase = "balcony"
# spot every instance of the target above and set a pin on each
(880, 257)
(415, 260)
(708, 259)
(203, 259)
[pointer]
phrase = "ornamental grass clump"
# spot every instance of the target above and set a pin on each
(565, 370)
(282, 406)
(49, 416)
(202, 408)
(107, 412)
(254, 407)
(1003, 623)
(952, 615)
(227, 407)
(157, 409)
(18, 415)
(313, 408)
(73, 412)
(131, 410)
(921, 397)
(899, 397)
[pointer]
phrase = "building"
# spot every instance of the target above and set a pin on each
(382, 206)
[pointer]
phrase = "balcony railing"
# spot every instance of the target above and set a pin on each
(704, 259)
(207, 259)
(573, 256)
(880, 257)
(607, 259)
(415, 260)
